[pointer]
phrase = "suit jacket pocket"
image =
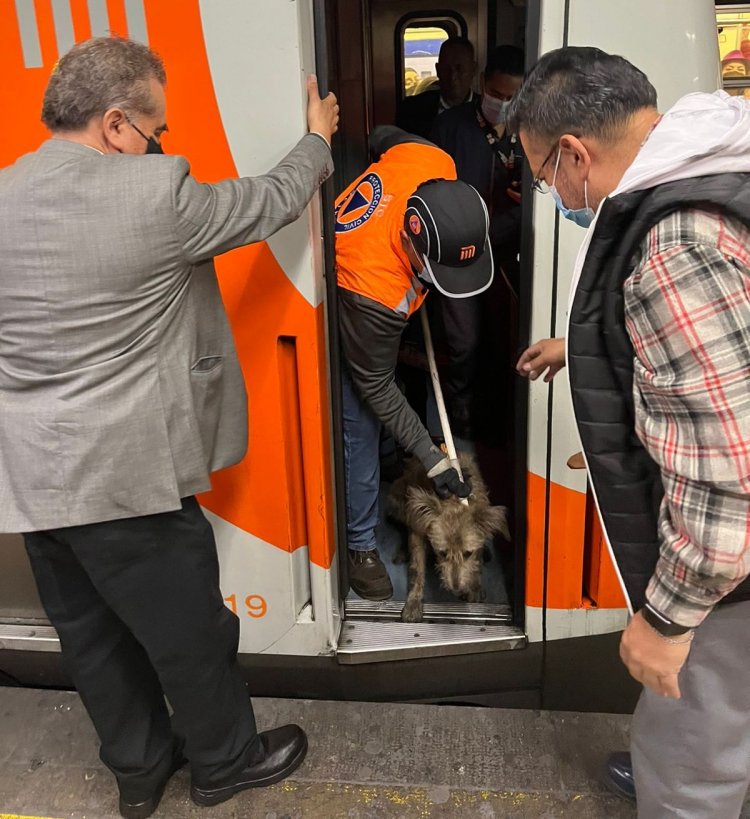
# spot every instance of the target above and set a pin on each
(207, 364)
(207, 386)
(32, 449)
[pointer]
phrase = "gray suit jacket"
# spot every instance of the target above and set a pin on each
(120, 388)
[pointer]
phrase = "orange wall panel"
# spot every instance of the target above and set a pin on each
(261, 302)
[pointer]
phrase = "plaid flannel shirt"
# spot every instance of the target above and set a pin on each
(687, 312)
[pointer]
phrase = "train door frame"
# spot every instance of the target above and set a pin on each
(507, 626)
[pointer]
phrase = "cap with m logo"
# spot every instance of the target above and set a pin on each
(447, 222)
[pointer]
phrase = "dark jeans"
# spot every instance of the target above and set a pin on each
(139, 612)
(362, 468)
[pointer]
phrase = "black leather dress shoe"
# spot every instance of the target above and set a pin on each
(285, 750)
(618, 775)
(143, 808)
(368, 575)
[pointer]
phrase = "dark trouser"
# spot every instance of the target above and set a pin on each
(461, 326)
(138, 609)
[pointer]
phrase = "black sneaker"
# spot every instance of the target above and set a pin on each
(368, 576)
(618, 775)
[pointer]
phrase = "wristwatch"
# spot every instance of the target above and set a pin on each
(662, 624)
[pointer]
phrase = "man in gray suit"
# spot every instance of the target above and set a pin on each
(120, 393)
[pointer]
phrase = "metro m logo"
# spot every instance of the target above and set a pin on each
(468, 252)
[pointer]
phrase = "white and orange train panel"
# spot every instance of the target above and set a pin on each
(236, 105)
(674, 42)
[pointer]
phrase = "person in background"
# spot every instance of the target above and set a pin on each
(489, 158)
(405, 226)
(658, 349)
(114, 334)
(411, 80)
(456, 68)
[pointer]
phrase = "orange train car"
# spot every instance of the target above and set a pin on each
(546, 636)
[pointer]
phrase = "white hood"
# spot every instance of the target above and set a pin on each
(701, 135)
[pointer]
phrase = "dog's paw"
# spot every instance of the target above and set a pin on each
(412, 612)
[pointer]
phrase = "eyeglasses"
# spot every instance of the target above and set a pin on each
(540, 185)
(157, 134)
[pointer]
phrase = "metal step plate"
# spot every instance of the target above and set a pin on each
(453, 612)
(28, 638)
(366, 641)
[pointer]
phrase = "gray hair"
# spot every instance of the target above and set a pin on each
(580, 91)
(99, 74)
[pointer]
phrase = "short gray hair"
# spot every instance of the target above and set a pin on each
(99, 74)
(580, 91)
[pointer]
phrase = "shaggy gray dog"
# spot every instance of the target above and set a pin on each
(457, 533)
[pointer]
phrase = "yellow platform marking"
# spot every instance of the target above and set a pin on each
(16, 816)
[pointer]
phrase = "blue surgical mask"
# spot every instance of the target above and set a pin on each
(582, 217)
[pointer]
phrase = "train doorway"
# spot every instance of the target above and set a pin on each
(379, 53)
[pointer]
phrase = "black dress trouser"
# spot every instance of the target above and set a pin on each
(461, 319)
(139, 612)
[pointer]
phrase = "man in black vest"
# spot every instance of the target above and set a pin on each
(659, 344)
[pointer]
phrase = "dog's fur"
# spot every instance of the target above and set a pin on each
(457, 532)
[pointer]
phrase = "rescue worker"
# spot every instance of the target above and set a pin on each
(405, 225)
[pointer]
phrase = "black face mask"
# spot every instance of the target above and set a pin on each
(153, 146)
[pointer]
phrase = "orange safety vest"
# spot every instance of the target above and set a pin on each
(369, 218)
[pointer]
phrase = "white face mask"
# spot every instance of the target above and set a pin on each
(494, 110)
(425, 277)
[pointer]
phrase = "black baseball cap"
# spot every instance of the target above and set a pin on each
(447, 222)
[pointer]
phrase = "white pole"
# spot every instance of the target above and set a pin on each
(444, 424)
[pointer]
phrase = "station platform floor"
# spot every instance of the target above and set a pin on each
(366, 761)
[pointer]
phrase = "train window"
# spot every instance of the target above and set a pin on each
(421, 45)
(420, 39)
(734, 49)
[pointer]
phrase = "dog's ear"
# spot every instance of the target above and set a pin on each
(423, 507)
(493, 520)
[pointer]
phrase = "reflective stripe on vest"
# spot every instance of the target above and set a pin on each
(412, 299)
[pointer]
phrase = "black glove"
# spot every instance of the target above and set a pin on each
(448, 483)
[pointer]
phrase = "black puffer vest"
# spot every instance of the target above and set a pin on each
(626, 481)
